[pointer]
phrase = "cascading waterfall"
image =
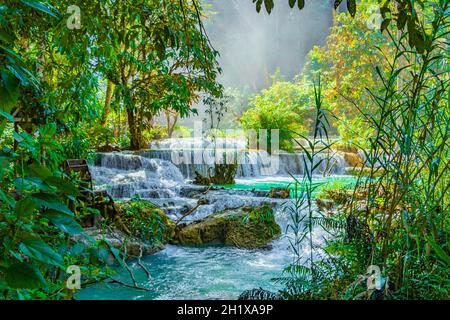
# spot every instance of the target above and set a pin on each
(162, 175)
(126, 175)
(198, 155)
(225, 271)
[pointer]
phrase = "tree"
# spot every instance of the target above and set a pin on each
(279, 108)
(350, 62)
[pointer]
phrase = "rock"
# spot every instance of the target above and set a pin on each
(202, 201)
(324, 204)
(139, 218)
(353, 159)
(280, 193)
(347, 148)
(252, 227)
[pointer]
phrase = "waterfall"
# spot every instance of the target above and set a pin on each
(161, 173)
(191, 155)
(125, 175)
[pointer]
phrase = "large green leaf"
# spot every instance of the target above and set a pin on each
(6, 115)
(38, 170)
(64, 222)
(63, 185)
(37, 249)
(38, 5)
(24, 276)
(7, 199)
(439, 251)
(24, 207)
(9, 91)
(51, 201)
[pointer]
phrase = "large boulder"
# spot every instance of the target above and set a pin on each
(247, 227)
(280, 193)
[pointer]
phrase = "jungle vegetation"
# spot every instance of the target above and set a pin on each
(70, 88)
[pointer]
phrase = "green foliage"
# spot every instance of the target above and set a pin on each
(145, 221)
(402, 12)
(279, 108)
(262, 214)
(152, 55)
(354, 132)
(403, 225)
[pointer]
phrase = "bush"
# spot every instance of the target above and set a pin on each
(277, 108)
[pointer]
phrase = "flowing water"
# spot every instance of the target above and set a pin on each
(203, 272)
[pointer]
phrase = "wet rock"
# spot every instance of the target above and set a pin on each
(324, 204)
(248, 227)
(202, 201)
(280, 193)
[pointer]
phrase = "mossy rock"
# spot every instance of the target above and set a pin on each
(280, 193)
(248, 227)
(144, 220)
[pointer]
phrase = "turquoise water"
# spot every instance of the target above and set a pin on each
(213, 272)
(197, 273)
(265, 184)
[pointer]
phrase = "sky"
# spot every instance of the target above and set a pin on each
(253, 45)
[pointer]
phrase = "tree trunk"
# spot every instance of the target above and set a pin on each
(133, 130)
(171, 125)
(107, 102)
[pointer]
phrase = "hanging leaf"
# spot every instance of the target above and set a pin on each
(41, 7)
(292, 3)
(64, 222)
(351, 6)
(337, 3)
(269, 5)
(258, 5)
(37, 249)
(301, 4)
(401, 20)
(23, 275)
(24, 207)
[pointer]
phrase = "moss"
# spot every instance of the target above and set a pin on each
(280, 193)
(144, 221)
(223, 174)
(242, 227)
